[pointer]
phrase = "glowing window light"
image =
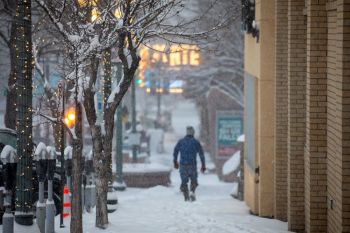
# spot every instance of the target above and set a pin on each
(83, 3)
(174, 56)
(118, 13)
(95, 14)
(176, 91)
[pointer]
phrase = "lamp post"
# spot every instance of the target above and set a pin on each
(69, 121)
(133, 113)
(119, 137)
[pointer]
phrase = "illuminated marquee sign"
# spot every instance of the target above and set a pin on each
(172, 57)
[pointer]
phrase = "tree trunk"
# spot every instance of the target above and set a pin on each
(101, 166)
(107, 144)
(23, 79)
(76, 224)
(10, 115)
(108, 114)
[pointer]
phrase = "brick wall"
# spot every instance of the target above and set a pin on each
(316, 134)
(281, 111)
(333, 124)
(316, 118)
(338, 75)
(344, 75)
(296, 113)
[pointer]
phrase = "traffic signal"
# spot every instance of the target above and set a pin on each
(139, 82)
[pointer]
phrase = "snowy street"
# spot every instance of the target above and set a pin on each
(162, 209)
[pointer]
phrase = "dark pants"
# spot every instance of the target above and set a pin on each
(188, 172)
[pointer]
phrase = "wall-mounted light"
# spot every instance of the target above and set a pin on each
(248, 18)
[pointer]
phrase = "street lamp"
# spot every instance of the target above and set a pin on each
(69, 117)
(119, 135)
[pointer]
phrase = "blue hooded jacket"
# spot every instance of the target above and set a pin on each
(188, 147)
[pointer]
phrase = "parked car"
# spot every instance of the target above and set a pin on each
(9, 137)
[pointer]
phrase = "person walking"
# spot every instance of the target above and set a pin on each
(188, 147)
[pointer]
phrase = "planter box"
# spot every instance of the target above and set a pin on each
(146, 175)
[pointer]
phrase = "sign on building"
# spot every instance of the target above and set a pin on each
(229, 126)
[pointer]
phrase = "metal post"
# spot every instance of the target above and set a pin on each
(41, 208)
(50, 210)
(133, 103)
(63, 88)
(119, 139)
(158, 100)
(50, 204)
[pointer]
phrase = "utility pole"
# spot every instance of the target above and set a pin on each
(23, 76)
(119, 137)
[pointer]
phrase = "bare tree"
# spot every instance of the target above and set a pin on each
(222, 61)
(8, 36)
(89, 30)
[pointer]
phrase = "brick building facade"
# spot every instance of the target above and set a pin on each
(297, 116)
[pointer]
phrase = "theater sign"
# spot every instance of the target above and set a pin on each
(169, 57)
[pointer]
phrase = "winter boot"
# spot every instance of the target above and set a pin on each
(192, 196)
(193, 189)
(184, 190)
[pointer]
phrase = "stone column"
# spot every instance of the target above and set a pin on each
(281, 111)
(296, 113)
(266, 110)
(338, 133)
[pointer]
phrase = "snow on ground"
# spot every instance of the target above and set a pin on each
(162, 209)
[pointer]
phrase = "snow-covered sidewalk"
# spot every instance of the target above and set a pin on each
(162, 209)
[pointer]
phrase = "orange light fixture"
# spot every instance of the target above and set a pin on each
(69, 118)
